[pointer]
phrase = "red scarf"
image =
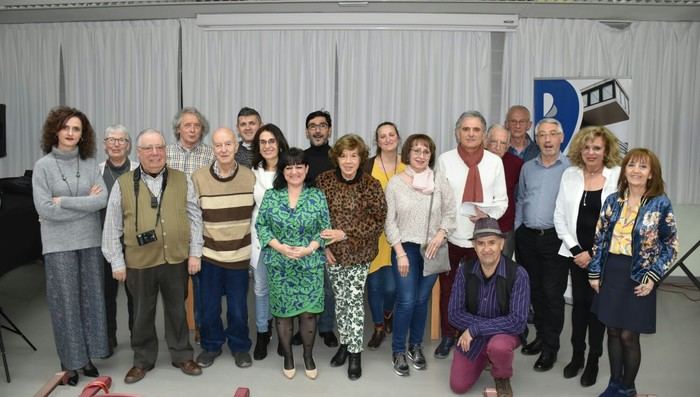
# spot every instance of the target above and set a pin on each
(473, 192)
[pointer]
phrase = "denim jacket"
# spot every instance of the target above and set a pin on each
(654, 240)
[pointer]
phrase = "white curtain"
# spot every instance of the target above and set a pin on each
(420, 80)
(284, 75)
(29, 86)
(661, 58)
(666, 101)
(123, 72)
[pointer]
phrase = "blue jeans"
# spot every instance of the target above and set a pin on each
(213, 282)
(262, 295)
(381, 293)
(325, 319)
(412, 296)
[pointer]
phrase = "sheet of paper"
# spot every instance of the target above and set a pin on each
(469, 208)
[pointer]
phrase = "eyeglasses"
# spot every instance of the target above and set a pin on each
(496, 143)
(420, 152)
(151, 148)
(547, 134)
(518, 122)
(321, 126)
(270, 141)
(114, 141)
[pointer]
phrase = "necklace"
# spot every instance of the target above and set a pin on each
(396, 164)
(63, 176)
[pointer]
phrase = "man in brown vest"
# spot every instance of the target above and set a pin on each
(153, 216)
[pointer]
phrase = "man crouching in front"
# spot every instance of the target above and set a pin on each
(489, 301)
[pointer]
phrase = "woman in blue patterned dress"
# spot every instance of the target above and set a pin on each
(289, 224)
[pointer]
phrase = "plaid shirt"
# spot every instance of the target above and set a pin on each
(188, 161)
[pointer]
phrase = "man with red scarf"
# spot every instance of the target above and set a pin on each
(478, 183)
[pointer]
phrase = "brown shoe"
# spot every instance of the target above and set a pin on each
(189, 367)
(135, 374)
(503, 388)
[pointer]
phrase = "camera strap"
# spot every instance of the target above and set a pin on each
(137, 186)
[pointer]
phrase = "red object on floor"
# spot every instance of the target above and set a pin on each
(242, 392)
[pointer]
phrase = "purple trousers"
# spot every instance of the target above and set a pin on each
(499, 352)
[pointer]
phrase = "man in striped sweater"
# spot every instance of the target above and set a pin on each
(225, 194)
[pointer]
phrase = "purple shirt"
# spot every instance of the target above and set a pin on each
(489, 321)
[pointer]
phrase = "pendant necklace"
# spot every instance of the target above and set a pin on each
(396, 164)
(63, 176)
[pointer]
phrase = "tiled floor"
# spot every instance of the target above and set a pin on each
(670, 360)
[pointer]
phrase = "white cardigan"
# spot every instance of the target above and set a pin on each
(568, 200)
(493, 183)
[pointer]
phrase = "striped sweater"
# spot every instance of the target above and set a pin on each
(227, 208)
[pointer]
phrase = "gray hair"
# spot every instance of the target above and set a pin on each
(549, 120)
(470, 114)
(119, 128)
(177, 120)
(149, 131)
(496, 126)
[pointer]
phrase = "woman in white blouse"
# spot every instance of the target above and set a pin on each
(408, 197)
(593, 176)
(269, 142)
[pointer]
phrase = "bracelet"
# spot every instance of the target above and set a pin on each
(401, 256)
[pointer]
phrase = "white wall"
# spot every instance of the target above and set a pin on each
(688, 222)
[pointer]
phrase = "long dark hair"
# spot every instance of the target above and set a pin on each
(282, 144)
(293, 156)
(56, 121)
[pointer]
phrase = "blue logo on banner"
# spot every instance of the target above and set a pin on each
(560, 100)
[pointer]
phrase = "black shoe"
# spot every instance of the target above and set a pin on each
(90, 370)
(329, 338)
(590, 373)
(415, 354)
(572, 368)
(532, 348)
(400, 364)
(340, 356)
(443, 349)
(545, 362)
(296, 339)
(377, 338)
(73, 377)
(206, 359)
(354, 366)
(242, 359)
(260, 351)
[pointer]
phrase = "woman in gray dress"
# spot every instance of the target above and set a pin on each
(68, 194)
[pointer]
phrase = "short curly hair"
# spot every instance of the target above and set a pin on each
(612, 153)
(56, 121)
(349, 142)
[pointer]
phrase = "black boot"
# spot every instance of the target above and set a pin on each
(340, 356)
(590, 373)
(355, 366)
(574, 366)
(260, 351)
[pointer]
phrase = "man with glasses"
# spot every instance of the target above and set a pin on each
(537, 244)
(518, 123)
(247, 124)
(479, 186)
(497, 142)
(153, 239)
(117, 147)
(319, 128)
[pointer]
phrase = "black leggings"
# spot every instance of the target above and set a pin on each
(625, 355)
(307, 329)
